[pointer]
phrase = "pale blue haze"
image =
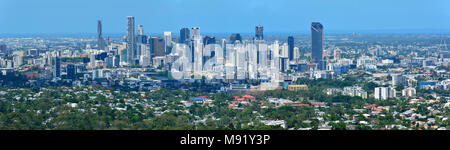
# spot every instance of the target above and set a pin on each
(215, 16)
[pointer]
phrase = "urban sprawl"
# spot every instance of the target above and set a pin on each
(273, 81)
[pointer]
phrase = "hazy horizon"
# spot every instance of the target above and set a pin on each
(346, 16)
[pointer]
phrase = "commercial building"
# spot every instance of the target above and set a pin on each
(317, 44)
(259, 33)
(297, 87)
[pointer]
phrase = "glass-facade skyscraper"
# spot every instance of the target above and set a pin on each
(259, 33)
(71, 71)
(209, 40)
(317, 43)
(184, 35)
(235, 37)
(57, 70)
(291, 48)
(131, 43)
(101, 42)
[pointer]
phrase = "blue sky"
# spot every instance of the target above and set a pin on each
(212, 16)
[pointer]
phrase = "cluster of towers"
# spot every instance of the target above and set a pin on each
(198, 57)
(238, 59)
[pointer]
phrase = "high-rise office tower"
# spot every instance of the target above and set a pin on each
(92, 61)
(291, 47)
(57, 69)
(140, 30)
(100, 40)
(259, 33)
(317, 44)
(71, 71)
(398, 79)
(116, 61)
(131, 43)
(3, 49)
(184, 35)
(157, 46)
(235, 37)
(168, 42)
(196, 46)
(195, 33)
(168, 36)
(209, 40)
(141, 38)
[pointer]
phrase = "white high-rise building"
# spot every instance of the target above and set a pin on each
(263, 56)
(284, 50)
(18, 61)
(197, 51)
(296, 53)
(384, 93)
(366, 62)
(409, 92)
(241, 61)
(140, 30)
(167, 39)
(92, 61)
(195, 33)
(145, 55)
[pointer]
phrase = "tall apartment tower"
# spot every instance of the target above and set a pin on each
(57, 68)
(100, 40)
(131, 43)
(317, 44)
(259, 33)
(384, 93)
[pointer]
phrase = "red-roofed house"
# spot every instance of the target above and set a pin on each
(370, 106)
(249, 97)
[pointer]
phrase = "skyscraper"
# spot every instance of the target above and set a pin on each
(196, 46)
(184, 35)
(71, 71)
(18, 60)
(141, 38)
(100, 40)
(317, 44)
(235, 37)
(130, 40)
(157, 46)
(259, 33)
(291, 47)
(140, 30)
(168, 42)
(3, 48)
(209, 40)
(57, 69)
(195, 33)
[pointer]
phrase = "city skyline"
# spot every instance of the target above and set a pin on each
(372, 17)
(270, 69)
